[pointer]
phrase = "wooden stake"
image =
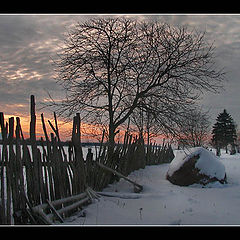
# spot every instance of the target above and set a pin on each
(137, 186)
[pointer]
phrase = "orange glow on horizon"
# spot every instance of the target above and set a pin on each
(89, 132)
(65, 128)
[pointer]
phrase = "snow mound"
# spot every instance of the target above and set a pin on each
(210, 164)
(198, 165)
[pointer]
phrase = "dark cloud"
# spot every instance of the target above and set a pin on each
(27, 43)
(224, 32)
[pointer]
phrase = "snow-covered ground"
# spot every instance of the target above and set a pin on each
(162, 203)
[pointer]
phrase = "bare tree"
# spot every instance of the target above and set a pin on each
(195, 129)
(108, 67)
(147, 120)
(143, 123)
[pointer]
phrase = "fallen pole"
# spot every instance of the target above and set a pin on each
(120, 195)
(137, 187)
(75, 202)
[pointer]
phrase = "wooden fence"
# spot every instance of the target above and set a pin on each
(32, 175)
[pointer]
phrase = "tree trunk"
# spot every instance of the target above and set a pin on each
(218, 151)
(111, 135)
(111, 141)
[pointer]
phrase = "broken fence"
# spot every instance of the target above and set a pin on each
(33, 176)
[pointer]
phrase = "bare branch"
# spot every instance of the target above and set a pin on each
(109, 67)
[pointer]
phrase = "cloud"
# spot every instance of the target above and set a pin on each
(28, 42)
(26, 45)
(224, 32)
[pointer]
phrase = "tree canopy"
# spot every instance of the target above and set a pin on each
(109, 67)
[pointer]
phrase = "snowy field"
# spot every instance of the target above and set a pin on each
(162, 203)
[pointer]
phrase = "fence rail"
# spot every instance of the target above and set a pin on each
(32, 175)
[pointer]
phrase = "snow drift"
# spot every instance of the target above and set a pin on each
(199, 166)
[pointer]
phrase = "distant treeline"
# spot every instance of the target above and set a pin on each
(63, 143)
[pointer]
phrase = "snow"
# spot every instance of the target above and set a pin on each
(208, 163)
(162, 203)
(177, 162)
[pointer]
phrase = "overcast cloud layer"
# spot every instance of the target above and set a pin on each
(28, 42)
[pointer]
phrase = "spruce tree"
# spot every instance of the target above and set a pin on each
(224, 131)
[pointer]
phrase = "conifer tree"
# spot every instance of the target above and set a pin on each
(224, 131)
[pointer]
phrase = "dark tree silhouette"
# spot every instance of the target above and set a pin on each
(224, 131)
(195, 128)
(108, 67)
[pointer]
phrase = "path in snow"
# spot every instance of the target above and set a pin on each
(162, 203)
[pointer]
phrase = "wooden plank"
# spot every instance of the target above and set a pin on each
(65, 184)
(79, 161)
(30, 210)
(45, 169)
(19, 164)
(38, 211)
(74, 205)
(79, 199)
(56, 169)
(55, 211)
(8, 194)
(62, 201)
(70, 207)
(120, 195)
(69, 199)
(3, 157)
(40, 174)
(28, 171)
(92, 194)
(140, 187)
(12, 167)
(36, 189)
(44, 128)
(47, 154)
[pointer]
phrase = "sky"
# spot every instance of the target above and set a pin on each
(29, 42)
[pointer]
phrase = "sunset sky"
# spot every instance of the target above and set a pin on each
(29, 42)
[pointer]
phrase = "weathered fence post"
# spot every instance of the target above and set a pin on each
(28, 180)
(34, 152)
(78, 161)
(5, 207)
